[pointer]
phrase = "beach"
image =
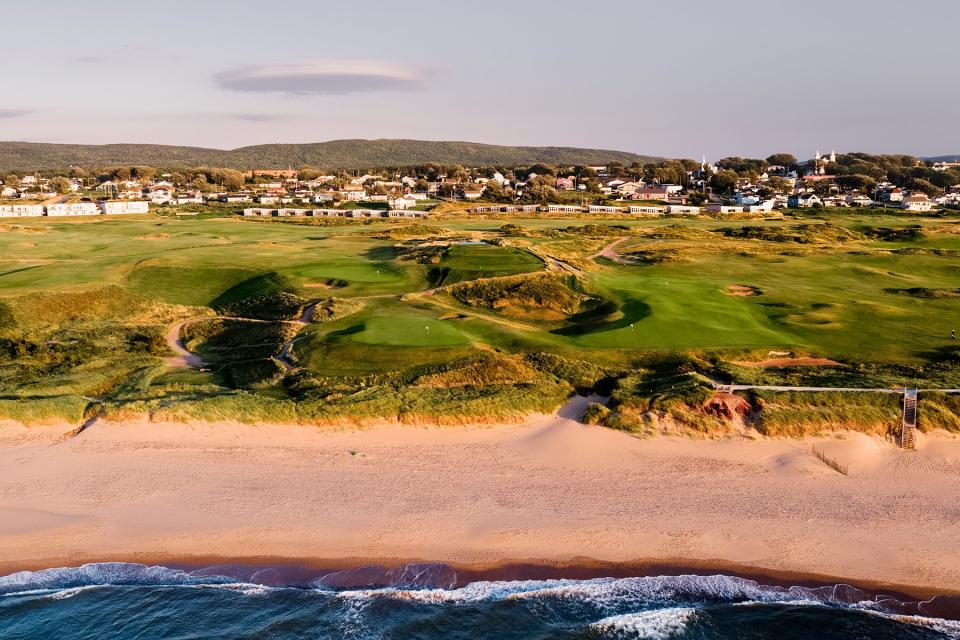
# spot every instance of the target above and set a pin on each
(550, 492)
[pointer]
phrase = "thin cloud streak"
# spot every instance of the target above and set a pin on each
(14, 113)
(324, 77)
(258, 117)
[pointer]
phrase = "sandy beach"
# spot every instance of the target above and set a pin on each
(551, 491)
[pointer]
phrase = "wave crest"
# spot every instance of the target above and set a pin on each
(102, 573)
(659, 624)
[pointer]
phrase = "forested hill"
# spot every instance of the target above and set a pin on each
(335, 154)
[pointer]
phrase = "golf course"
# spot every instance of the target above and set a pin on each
(465, 318)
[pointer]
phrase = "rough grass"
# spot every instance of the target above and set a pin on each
(938, 411)
(278, 305)
(42, 411)
(796, 415)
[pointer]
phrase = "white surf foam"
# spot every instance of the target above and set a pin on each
(104, 573)
(659, 624)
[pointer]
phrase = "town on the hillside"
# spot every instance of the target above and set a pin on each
(669, 187)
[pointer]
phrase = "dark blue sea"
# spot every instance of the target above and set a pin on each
(136, 602)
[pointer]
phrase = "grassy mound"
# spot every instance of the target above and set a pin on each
(258, 287)
(59, 309)
(547, 296)
(335, 308)
(410, 231)
(480, 371)
(462, 262)
(817, 233)
(593, 231)
(241, 350)
(278, 305)
(926, 292)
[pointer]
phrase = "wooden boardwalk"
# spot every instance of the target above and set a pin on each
(908, 428)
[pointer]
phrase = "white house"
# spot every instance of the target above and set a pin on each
(403, 203)
(596, 208)
(161, 194)
(804, 200)
(646, 209)
(73, 209)
(859, 200)
(760, 206)
(117, 207)
(682, 209)
(27, 210)
(716, 207)
(893, 195)
(189, 197)
(916, 202)
(8, 192)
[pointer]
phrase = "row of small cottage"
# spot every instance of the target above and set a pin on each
(65, 209)
(333, 213)
(671, 209)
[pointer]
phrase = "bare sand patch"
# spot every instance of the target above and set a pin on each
(781, 363)
(742, 290)
(549, 491)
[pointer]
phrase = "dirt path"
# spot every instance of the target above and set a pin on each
(187, 358)
(184, 357)
(609, 252)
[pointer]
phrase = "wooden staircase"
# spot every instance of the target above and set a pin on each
(908, 429)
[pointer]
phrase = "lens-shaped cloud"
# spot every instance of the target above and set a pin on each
(330, 77)
(13, 113)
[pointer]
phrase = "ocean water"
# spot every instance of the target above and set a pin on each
(131, 601)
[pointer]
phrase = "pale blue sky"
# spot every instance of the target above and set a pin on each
(735, 77)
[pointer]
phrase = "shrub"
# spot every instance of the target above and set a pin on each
(595, 413)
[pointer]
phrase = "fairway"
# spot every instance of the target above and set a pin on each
(681, 310)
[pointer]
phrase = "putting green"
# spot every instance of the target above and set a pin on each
(409, 331)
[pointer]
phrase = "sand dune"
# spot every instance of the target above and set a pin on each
(549, 491)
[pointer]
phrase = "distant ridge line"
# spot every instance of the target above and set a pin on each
(334, 154)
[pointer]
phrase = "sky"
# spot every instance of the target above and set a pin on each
(679, 79)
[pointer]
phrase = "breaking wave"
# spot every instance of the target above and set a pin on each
(427, 601)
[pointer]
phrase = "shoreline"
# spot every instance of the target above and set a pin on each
(544, 498)
(300, 571)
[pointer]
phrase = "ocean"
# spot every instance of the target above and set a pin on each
(426, 601)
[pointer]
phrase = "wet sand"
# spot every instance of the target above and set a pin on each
(550, 495)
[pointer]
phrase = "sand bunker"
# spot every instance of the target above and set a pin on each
(743, 290)
(782, 363)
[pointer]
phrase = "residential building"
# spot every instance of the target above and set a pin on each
(595, 208)
(73, 209)
(118, 207)
(646, 209)
(804, 200)
(916, 202)
(650, 193)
